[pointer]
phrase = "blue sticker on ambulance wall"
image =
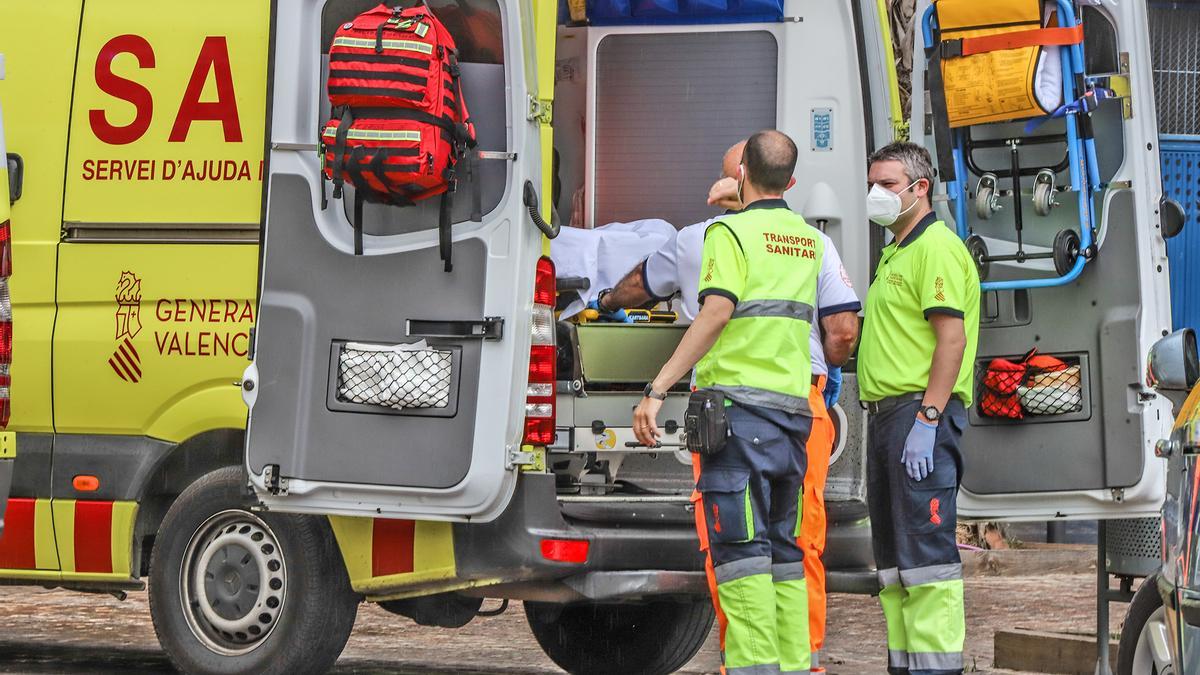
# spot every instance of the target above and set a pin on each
(822, 129)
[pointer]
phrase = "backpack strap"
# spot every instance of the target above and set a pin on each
(445, 245)
(339, 150)
(464, 142)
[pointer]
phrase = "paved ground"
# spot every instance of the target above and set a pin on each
(62, 632)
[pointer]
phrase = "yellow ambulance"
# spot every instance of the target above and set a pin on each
(176, 260)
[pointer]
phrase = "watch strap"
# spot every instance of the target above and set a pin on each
(650, 393)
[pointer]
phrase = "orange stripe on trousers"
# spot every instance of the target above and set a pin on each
(17, 550)
(93, 537)
(392, 546)
(812, 527)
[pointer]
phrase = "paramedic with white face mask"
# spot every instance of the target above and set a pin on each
(915, 376)
(675, 268)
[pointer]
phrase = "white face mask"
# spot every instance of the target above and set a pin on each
(884, 206)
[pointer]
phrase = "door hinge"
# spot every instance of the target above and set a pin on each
(540, 110)
(519, 457)
(274, 483)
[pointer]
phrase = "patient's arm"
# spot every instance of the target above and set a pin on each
(630, 291)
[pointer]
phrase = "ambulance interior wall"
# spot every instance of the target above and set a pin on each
(666, 107)
(475, 26)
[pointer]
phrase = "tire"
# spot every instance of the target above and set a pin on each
(652, 638)
(285, 607)
(1144, 626)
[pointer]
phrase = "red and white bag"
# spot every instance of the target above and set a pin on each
(400, 125)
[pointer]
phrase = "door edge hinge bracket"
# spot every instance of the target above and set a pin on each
(1118, 495)
(540, 110)
(275, 484)
(518, 457)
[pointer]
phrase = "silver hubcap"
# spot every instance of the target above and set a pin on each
(1153, 652)
(233, 582)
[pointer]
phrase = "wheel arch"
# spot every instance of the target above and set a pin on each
(183, 465)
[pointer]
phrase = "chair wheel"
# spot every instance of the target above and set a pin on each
(1043, 192)
(977, 249)
(986, 200)
(1066, 250)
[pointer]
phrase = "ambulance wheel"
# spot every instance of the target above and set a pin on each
(977, 249)
(1066, 250)
(1144, 648)
(648, 638)
(233, 591)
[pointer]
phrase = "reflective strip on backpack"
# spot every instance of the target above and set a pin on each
(377, 135)
(402, 45)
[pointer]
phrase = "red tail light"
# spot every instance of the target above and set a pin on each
(6, 327)
(539, 394)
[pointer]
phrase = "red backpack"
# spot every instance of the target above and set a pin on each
(400, 125)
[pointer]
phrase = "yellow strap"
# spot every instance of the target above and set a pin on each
(375, 135)
(402, 45)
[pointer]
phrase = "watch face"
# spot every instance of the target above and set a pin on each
(931, 413)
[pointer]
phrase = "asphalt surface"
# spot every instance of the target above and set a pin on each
(62, 632)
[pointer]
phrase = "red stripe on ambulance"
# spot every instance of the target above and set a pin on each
(93, 537)
(17, 551)
(392, 546)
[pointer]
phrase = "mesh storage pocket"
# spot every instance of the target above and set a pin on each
(394, 376)
(1052, 391)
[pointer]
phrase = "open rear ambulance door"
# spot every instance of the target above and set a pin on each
(1095, 460)
(312, 448)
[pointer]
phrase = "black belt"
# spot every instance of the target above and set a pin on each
(886, 404)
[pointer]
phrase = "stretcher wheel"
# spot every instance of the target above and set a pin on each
(987, 201)
(1066, 250)
(979, 253)
(1043, 192)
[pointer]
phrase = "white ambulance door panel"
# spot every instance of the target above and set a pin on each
(310, 447)
(1093, 458)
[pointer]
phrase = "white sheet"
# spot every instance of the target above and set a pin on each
(605, 254)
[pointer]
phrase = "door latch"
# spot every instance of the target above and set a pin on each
(540, 110)
(275, 484)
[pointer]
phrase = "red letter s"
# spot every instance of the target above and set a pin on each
(124, 89)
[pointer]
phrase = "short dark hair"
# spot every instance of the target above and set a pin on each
(770, 159)
(915, 158)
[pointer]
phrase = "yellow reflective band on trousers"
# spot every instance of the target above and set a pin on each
(751, 645)
(401, 45)
(926, 625)
(791, 621)
(762, 355)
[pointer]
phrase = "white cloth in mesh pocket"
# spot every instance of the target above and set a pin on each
(1052, 392)
(395, 376)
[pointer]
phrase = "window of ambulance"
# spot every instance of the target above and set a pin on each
(476, 28)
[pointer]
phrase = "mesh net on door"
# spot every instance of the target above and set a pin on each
(394, 376)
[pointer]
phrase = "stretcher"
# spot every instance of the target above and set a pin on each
(1006, 44)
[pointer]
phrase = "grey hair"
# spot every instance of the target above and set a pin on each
(915, 159)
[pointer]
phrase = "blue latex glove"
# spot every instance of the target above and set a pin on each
(833, 387)
(618, 316)
(918, 449)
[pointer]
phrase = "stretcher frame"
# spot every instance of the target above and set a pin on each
(1081, 161)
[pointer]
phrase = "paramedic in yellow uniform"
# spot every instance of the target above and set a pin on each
(915, 374)
(750, 342)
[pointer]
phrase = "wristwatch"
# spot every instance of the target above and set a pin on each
(600, 299)
(650, 393)
(931, 413)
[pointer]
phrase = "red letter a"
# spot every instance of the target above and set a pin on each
(214, 56)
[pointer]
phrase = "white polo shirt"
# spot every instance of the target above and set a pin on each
(675, 267)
